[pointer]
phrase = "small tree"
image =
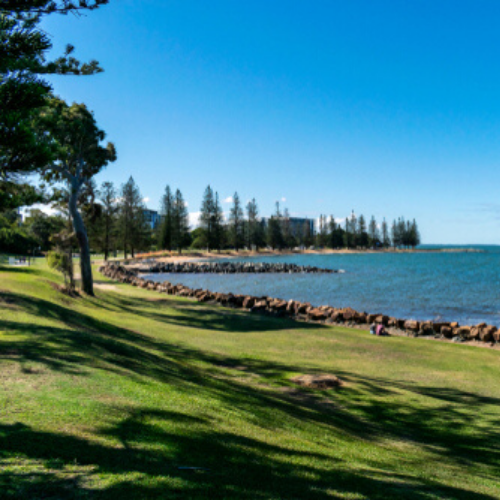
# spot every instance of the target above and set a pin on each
(75, 140)
(62, 262)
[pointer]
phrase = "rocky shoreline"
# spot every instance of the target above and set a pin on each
(229, 268)
(304, 311)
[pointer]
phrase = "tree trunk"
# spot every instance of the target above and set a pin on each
(83, 242)
(106, 243)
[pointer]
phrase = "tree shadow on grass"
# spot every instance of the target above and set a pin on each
(192, 314)
(455, 427)
(231, 466)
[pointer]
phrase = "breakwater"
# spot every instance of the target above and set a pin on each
(230, 268)
(305, 311)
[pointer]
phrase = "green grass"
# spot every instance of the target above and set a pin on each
(109, 397)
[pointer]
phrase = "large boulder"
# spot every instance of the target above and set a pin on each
(426, 328)
(317, 315)
(412, 325)
(248, 302)
(301, 307)
(382, 319)
(462, 331)
(474, 333)
(486, 334)
(337, 316)
(278, 305)
(447, 332)
(437, 326)
(259, 306)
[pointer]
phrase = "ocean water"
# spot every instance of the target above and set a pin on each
(462, 287)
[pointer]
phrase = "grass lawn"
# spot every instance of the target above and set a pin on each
(120, 396)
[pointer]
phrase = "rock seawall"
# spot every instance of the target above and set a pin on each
(304, 311)
(230, 268)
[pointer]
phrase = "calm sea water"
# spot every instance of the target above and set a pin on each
(462, 287)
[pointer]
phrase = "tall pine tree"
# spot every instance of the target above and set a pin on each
(166, 228)
(180, 234)
(133, 227)
(207, 217)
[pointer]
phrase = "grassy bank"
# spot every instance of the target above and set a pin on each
(117, 396)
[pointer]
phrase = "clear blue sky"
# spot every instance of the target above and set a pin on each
(385, 107)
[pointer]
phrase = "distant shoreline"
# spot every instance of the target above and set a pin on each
(200, 254)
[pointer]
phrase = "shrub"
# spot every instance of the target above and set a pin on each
(62, 262)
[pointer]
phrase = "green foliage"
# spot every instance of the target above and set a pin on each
(274, 235)
(43, 226)
(15, 240)
(23, 90)
(180, 223)
(212, 220)
(63, 263)
(166, 228)
(236, 236)
(134, 231)
(254, 233)
(108, 227)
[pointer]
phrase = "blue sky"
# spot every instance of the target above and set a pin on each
(386, 107)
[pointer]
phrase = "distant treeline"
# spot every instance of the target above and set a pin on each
(118, 220)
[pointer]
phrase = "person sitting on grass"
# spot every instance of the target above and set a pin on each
(381, 330)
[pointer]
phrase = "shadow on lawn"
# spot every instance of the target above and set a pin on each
(233, 467)
(150, 451)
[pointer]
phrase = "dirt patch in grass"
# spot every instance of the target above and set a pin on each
(105, 286)
(323, 382)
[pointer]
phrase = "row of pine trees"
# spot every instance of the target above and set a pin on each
(240, 231)
(116, 222)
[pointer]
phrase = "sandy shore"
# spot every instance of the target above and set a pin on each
(202, 255)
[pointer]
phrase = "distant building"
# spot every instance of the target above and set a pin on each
(297, 225)
(152, 217)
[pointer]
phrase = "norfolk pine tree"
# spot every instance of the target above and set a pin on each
(132, 223)
(207, 216)
(180, 234)
(23, 92)
(166, 229)
(107, 195)
(236, 236)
